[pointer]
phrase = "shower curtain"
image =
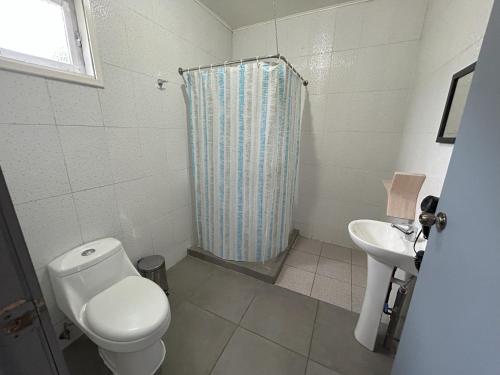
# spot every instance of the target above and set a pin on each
(244, 133)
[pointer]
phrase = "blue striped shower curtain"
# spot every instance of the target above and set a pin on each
(244, 132)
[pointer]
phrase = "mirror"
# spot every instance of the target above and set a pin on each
(455, 104)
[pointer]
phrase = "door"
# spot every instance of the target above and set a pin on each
(28, 344)
(453, 326)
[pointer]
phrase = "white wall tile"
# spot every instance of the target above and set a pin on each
(111, 32)
(25, 100)
(177, 149)
(348, 27)
(117, 97)
(360, 61)
(252, 41)
(137, 42)
(343, 72)
(97, 213)
(317, 72)
(87, 157)
(134, 204)
(146, 8)
(183, 228)
(50, 228)
(144, 43)
(451, 40)
(32, 161)
(180, 188)
(154, 143)
(313, 116)
(159, 195)
(176, 107)
(377, 22)
(389, 21)
(162, 231)
(175, 253)
(148, 96)
(125, 153)
(137, 241)
(444, 37)
(75, 104)
(373, 111)
(408, 20)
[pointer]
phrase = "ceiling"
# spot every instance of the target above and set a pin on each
(239, 13)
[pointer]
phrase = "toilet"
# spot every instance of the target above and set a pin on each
(124, 314)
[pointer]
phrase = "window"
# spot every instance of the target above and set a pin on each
(50, 38)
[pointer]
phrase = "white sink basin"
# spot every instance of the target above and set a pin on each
(386, 248)
(384, 243)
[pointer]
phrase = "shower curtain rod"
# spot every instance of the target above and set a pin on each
(235, 62)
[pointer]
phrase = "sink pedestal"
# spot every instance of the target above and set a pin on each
(379, 277)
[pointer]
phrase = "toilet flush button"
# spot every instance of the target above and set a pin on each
(88, 252)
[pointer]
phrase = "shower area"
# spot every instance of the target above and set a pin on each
(244, 124)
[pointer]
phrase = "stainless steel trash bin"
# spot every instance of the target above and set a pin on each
(153, 268)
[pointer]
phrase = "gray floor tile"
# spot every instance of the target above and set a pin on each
(336, 252)
(194, 340)
(82, 358)
(283, 316)
(174, 300)
(188, 275)
(359, 258)
(227, 293)
(334, 346)
(314, 368)
(250, 354)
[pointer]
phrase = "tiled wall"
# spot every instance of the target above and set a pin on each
(83, 163)
(451, 40)
(360, 61)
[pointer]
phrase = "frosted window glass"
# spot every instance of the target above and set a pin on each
(36, 28)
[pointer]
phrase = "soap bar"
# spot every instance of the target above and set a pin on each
(402, 194)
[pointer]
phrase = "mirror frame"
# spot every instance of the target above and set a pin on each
(451, 93)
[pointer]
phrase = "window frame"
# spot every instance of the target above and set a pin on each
(53, 69)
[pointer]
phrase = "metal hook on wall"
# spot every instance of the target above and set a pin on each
(161, 83)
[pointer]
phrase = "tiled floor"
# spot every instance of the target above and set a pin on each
(328, 272)
(225, 323)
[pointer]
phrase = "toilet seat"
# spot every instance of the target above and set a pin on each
(129, 310)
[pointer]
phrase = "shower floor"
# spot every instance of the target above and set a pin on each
(267, 271)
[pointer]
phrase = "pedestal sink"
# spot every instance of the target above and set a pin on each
(386, 248)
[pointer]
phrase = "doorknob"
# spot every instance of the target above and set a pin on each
(428, 219)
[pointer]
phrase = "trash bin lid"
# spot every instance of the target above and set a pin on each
(151, 263)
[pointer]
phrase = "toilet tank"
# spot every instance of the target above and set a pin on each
(87, 270)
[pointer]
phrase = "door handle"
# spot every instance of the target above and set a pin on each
(428, 219)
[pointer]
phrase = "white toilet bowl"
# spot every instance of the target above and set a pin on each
(124, 314)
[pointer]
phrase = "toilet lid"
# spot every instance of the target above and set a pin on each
(129, 310)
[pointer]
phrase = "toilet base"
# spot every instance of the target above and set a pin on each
(143, 362)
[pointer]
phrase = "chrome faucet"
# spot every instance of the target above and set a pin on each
(409, 231)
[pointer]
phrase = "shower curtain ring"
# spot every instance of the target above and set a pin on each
(225, 62)
(211, 67)
(199, 68)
